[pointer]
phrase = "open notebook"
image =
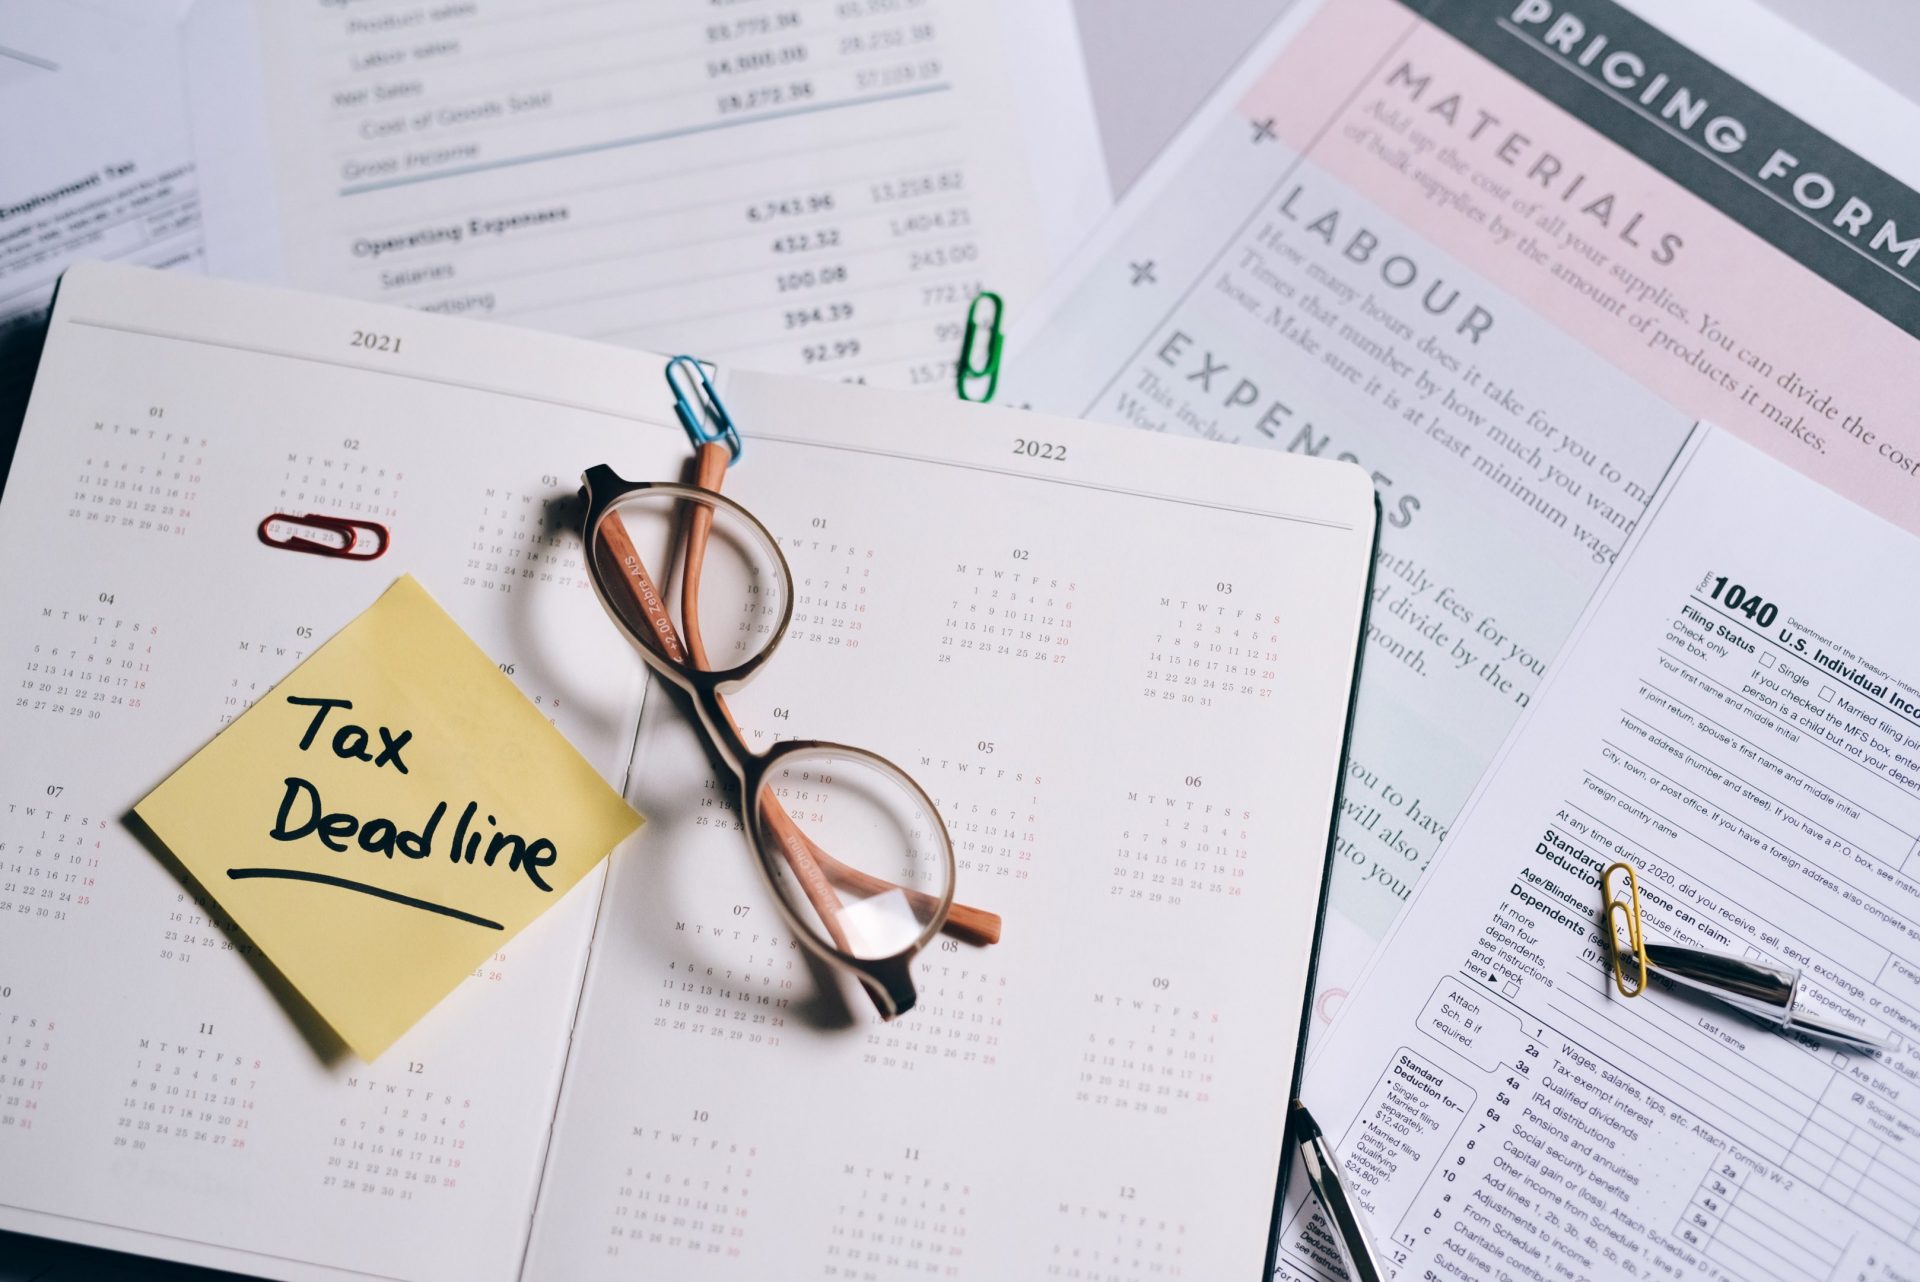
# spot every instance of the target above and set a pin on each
(1121, 664)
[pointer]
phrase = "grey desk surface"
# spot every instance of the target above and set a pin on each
(1151, 63)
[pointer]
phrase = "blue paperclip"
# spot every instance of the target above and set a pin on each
(989, 367)
(709, 424)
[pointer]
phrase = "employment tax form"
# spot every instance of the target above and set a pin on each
(80, 175)
(816, 186)
(1738, 717)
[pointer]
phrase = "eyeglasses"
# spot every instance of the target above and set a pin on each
(887, 886)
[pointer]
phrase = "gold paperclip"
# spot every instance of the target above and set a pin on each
(1629, 908)
(1749, 984)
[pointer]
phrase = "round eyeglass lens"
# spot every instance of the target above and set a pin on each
(855, 848)
(649, 545)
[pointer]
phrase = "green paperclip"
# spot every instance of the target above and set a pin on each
(965, 371)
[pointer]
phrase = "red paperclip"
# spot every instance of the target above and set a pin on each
(348, 530)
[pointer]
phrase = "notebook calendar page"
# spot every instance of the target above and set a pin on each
(160, 1095)
(1121, 671)
(1122, 675)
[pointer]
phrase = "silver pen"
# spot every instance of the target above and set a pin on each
(1330, 1187)
(1766, 992)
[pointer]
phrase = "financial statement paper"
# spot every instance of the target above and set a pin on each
(815, 187)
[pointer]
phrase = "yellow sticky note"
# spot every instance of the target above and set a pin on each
(388, 817)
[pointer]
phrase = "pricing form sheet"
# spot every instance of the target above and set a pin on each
(984, 599)
(817, 186)
(1738, 716)
(1432, 239)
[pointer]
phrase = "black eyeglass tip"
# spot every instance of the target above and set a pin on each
(891, 984)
